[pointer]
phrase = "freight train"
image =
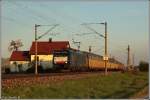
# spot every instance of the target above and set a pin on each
(80, 60)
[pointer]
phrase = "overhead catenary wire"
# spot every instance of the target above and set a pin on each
(66, 15)
(93, 30)
(20, 12)
(47, 31)
(32, 12)
(14, 21)
(38, 15)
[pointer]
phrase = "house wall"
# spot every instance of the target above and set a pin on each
(14, 68)
(43, 57)
(19, 62)
(45, 60)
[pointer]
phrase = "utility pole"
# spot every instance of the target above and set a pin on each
(105, 47)
(128, 60)
(110, 62)
(36, 38)
(105, 58)
(79, 46)
(133, 61)
(105, 55)
(36, 72)
(90, 49)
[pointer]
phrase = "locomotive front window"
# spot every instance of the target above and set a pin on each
(60, 54)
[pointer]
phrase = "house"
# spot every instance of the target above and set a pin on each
(19, 61)
(45, 49)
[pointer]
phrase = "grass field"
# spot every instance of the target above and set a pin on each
(115, 85)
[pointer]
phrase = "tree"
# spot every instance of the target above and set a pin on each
(143, 66)
(14, 45)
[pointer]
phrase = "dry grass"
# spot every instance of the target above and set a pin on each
(115, 85)
(141, 94)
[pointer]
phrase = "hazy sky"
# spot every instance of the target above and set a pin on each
(127, 24)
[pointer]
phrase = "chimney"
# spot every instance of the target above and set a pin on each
(50, 39)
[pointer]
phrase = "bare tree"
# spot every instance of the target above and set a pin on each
(14, 45)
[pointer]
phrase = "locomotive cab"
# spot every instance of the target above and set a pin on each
(60, 59)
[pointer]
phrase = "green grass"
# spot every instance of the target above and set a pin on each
(116, 85)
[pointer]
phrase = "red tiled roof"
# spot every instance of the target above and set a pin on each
(48, 47)
(20, 56)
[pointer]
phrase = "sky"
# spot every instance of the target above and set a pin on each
(127, 25)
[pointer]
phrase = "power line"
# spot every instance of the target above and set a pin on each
(100, 49)
(47, 30)
(62, 18)
(31, 11)
(22, 14)
(60, 13)
(37, 14)
(93, 30)
(14, 21)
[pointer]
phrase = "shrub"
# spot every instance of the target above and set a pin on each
(143, 66)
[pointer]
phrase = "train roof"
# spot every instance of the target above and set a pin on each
(93, 54)
(110, 59)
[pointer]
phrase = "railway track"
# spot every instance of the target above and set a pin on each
(17, 80)
(15, 76)
(63, 73)
(25, 80)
